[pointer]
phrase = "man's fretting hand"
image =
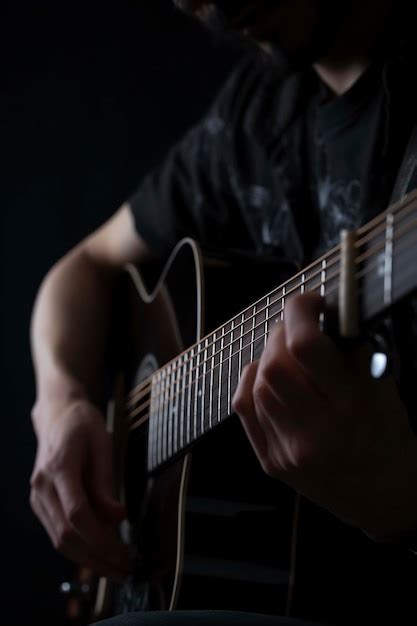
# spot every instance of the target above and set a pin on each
(72, 487)
(318, 421)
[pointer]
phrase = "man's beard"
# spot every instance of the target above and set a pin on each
(224, 16)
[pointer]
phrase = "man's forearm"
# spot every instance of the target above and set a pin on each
(69, 327)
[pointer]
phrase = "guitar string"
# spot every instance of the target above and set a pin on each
(175, 382)
(394, 209)
(238, 338)
(398, 234)
(168, 397)
(402, 207)
(168, 439)
(141, 387)
(180, 445)
(146, 416)
(210, 357)
(133, 400)
(402, 210)
(274, 317)
(242, 313)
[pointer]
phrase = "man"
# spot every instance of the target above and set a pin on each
(292, 151)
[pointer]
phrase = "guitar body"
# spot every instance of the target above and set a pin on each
(209, 529)
(212, 531)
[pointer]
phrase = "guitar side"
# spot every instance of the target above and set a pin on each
(157, 326)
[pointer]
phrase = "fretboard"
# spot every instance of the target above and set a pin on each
(194, 392)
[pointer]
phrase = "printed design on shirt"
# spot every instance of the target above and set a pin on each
(210, 135)
(214, 125)
(258, 199)
(266, 210)
(204, 140)
(275, 227)
(339, 205)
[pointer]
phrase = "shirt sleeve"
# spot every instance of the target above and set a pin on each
(189, 195)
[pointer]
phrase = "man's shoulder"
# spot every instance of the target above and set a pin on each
(257, 94)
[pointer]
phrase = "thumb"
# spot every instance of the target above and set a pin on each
(102, 479)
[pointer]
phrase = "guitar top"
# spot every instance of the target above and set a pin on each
(207, 527)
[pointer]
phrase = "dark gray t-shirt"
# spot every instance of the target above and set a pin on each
(274, 168)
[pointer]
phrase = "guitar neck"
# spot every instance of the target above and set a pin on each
(193, 393)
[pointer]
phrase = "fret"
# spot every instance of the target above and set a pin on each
(323, 274)
(332, 280)
(193, 394)
(152, 438)
(151, 425)
(272, 315)
(170, 411)
(211, 367)
(309, 279)
(240, 347)
(198, 392)
(184, 379)
(196, 396)
(235, 357)
(160, 419)
(252, 334)
(259, 338)
(323, 277)
(219, 390)
(176, 407)
(165, 413)
(229, 368)
(267, 309)
(225, 371)
(213, 348)
(156, 417)
(275, 307)
(204, 383)
(283, 303)
(189, 396)
(389, 244)
(215, 377)
(246, 339)
(207, 384)
(175, 390)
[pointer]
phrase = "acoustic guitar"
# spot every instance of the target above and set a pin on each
(207, 528)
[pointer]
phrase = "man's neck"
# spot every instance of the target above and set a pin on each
(340, 79)
(354, 45)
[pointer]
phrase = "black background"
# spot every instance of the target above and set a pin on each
(92, 95)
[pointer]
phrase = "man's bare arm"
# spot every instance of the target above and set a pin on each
(70, 317)
(72, 482)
